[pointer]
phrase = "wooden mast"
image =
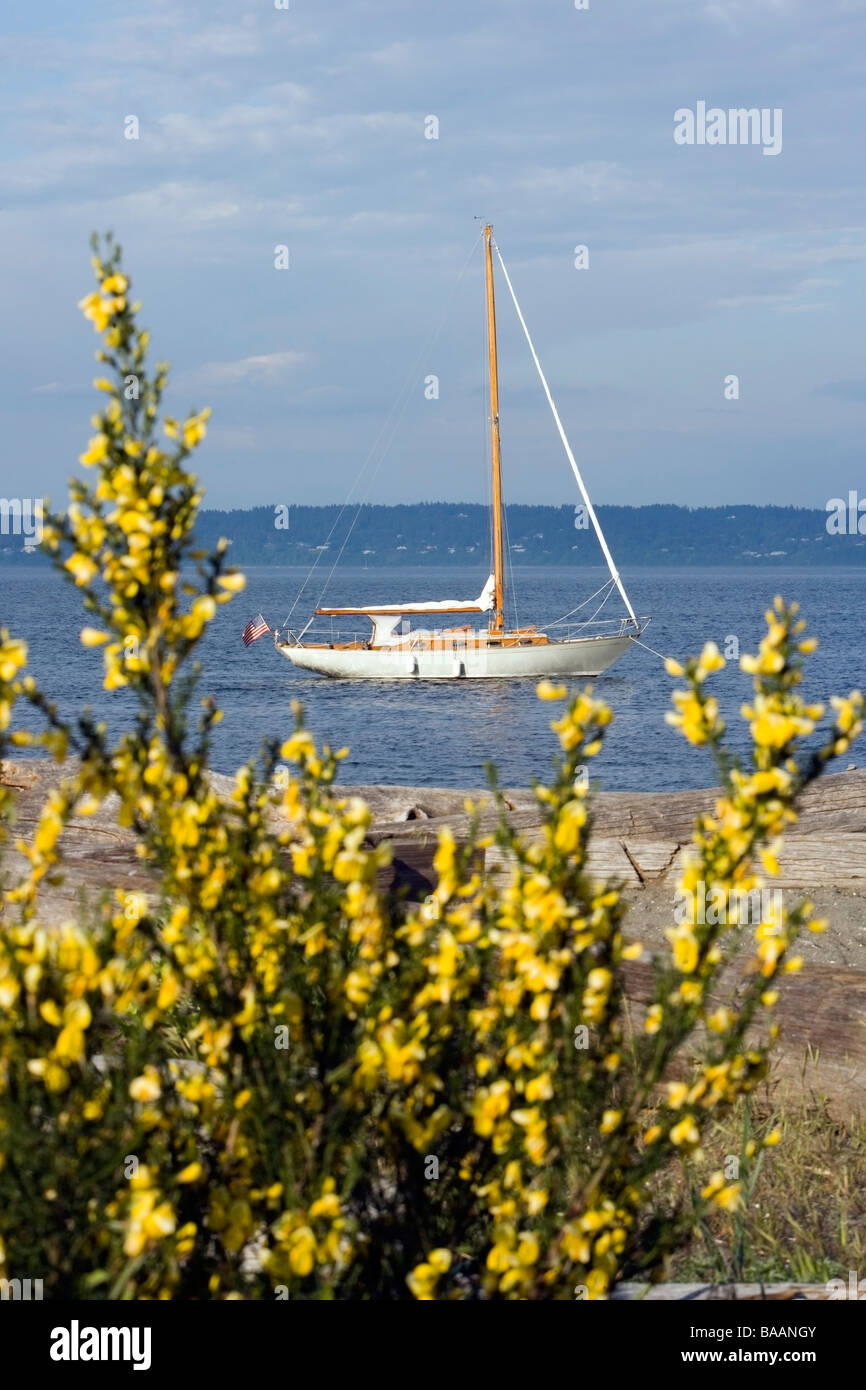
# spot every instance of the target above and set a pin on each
(496, 621)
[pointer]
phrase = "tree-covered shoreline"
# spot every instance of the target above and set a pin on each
(457, 533)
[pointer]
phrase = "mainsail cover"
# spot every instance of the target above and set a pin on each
(482, 604)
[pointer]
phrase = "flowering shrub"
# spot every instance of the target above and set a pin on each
(270, 1079)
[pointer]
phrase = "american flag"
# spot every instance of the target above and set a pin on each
(255, 628)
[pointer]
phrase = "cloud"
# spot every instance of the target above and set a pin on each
(732, 12)
(842, 253)
(266, 369)
(189, 204)
(786, 301)
(160, 35)
(843, 390)
(251, 126)
(234, 437)
(394, 55)
(596, 180)
(378, 219)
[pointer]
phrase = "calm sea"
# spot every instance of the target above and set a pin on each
(442, 734)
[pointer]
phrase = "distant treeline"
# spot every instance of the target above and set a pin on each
(454, 533)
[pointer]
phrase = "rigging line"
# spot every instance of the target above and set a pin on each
(309, 574)
(397, 422)
(586, 622)
(403, 395)
(574, 468)
(512, 587)
(403, 391)
(607, 585)
(651, 649)
(363, 501)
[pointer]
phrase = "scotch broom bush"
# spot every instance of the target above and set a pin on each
(270, 1079)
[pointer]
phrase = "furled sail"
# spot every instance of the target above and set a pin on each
(482, 604)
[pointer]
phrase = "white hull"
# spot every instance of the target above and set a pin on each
(581, 656)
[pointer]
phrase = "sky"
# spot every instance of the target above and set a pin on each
(307, 127)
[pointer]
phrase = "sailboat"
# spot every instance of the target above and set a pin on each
(393, 649)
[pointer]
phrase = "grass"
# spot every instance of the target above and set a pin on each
(803, 1214)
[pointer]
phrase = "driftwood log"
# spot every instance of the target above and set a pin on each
(728, 1293)
(637, 838)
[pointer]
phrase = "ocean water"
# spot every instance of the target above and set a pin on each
(443, 733)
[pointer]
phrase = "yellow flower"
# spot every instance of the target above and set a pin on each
(535, 1200)
(686, 1132)
(329, 1203)
(234, 583)
(528, 1250)
(168, 992)
(539, 1088)
(191, 1173)
(770, 862)
(710, 659)
(147, 1086)
(572, 819)
(115, 284)
(725, 1195)
(596, 1285)
(357, 987)
(686, 951)
(96, 451)
(546, 690)
(70, 1044)
(195, 428)
(82, 568)
(655, 1015)
(78, 1014)
(489, 1104)
(677, 1093)
(424, 1277)
(302, 1251)
(13, 655)
(728, 1197)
